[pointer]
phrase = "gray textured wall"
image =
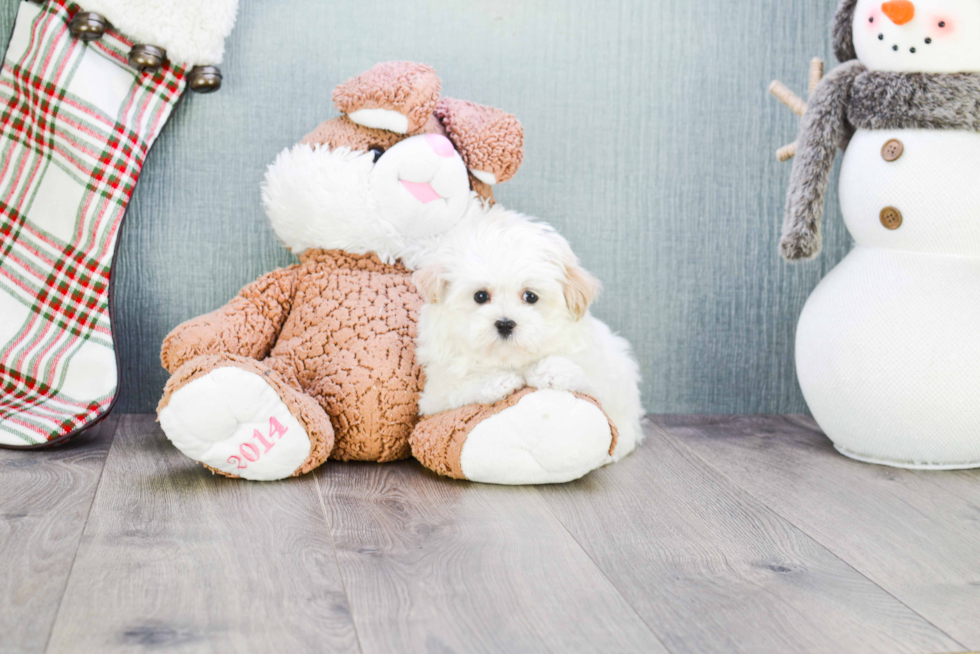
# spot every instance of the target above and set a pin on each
(649, 144)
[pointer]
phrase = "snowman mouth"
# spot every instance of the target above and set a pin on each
(896, 47)
(421, 191)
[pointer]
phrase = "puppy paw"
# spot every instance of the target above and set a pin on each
(500, 387)
(560, 374)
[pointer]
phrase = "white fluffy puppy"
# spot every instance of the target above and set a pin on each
(507, 306)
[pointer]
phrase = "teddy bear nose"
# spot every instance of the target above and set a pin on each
(899, 11)
(505, 327)
(442, 145)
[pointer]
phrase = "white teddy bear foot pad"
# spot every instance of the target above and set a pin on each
(232, 420)
(548, 437)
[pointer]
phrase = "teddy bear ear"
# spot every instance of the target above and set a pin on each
(398, 96)
(490, 141)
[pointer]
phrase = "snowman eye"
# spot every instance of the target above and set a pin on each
(942, 23)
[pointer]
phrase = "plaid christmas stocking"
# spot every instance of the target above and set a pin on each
(77, 120)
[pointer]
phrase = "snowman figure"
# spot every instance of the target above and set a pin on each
(888, 345)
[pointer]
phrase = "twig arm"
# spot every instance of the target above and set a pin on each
(816, 74)
(788, 98)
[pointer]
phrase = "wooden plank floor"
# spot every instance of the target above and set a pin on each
(721, 534)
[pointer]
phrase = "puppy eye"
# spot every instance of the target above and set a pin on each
(377, 153)
(481, 297)
(530, 297)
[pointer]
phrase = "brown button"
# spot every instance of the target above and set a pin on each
(891, 218)
(892, 150)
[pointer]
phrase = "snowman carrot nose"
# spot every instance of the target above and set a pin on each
(900, 11)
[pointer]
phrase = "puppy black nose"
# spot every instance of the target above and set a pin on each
(505, 327)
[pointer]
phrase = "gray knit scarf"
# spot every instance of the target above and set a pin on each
(852, 97)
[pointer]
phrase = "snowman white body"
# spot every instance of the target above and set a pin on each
(888, 345)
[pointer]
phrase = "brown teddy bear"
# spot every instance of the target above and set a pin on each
(317, 360)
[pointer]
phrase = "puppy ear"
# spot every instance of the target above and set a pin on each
(431, 282)
(581, 288)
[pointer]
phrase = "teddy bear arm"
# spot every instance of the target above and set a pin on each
(247, 326)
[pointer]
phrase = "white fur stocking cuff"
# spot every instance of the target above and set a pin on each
(191, 31)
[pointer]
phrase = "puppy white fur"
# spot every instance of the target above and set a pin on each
(507, 306)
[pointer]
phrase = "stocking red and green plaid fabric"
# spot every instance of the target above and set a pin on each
(76, 123)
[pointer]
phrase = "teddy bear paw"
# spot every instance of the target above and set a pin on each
(233, 421)
(548, 437)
